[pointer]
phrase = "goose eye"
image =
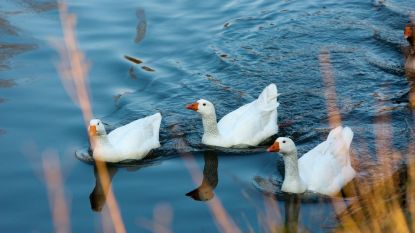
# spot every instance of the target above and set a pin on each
(283, 141)
(204, 104)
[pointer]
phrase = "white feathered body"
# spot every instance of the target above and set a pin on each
(327, 167)
(129, 142)
(248, 125)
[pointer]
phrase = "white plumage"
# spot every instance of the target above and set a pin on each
(248, 125)
(129, 142)
(325, 169)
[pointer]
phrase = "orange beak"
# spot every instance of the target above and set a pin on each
(93, 130)
(193, 106)
(408, 32)
(274, 148)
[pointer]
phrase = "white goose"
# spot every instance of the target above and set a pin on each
(325, 169)
(129, 142)
(248, 125)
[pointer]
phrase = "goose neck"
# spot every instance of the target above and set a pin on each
(99, 140)
(291, 165)
(210, 124)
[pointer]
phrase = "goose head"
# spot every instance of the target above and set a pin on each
(409, 33)
(202, 106)
(283, 145)
(96, 127)
(202, 193)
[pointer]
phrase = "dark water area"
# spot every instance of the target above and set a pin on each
(181, 51)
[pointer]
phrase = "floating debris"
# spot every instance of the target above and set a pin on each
(131, 73)
(141, 26)
(224, 55)
(146, 68)
(132, 59)
(226, 25)
(6, 83)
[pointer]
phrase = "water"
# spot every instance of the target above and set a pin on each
(226, 52)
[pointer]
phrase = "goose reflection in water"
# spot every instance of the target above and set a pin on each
(210, 178)
(98, 196)
(292, 212)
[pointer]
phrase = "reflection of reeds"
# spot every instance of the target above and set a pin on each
(73, 69)
(163, 216)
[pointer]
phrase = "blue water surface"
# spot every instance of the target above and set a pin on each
(224, 51)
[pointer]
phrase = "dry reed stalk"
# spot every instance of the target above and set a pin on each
(272, 217)
(74, 66)
(112, 204)
(56, 196)
(410, 193)
(163, 217)
(330, 89)
(73, 69)
(333, 111)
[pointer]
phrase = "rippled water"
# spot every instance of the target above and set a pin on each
(226, 52)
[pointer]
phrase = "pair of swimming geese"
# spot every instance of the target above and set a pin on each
(325, 169)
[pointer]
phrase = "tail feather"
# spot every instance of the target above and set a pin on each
(339, 141)
(334, 133)
(268, 98)
(341, 134)
(156, 118)
(347, 136)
